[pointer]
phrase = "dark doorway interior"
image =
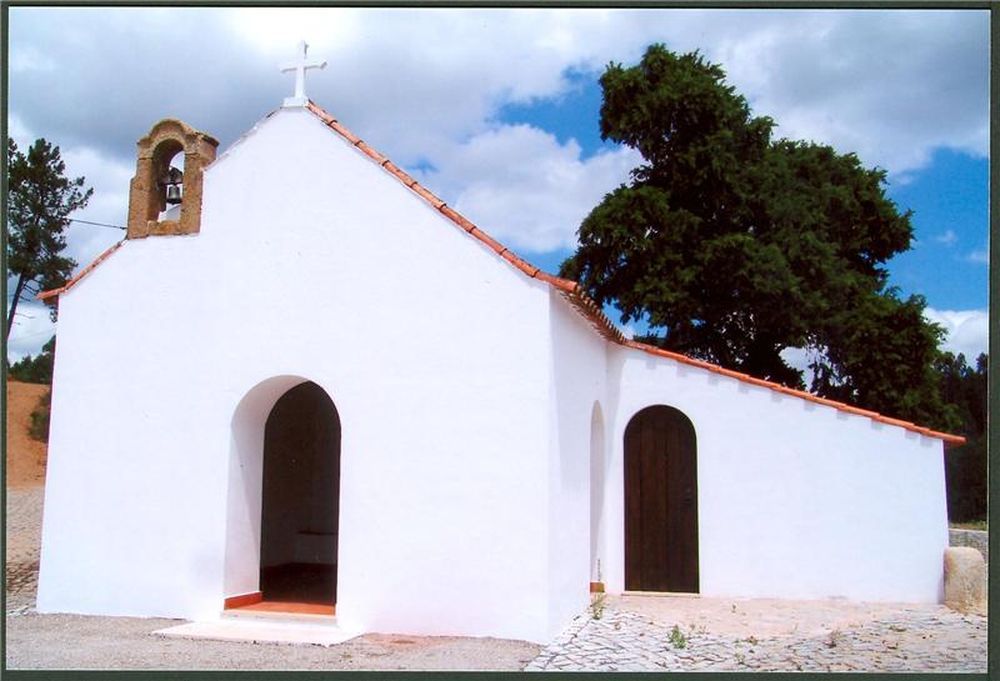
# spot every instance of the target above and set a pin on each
(301, 497)
(661, 502)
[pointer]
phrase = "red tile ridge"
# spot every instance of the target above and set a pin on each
(841, 406)
(562, 284)
(519, 263)
(486, 239)
(52, 293)
(374, 155)
(399, 173)
(460, 220)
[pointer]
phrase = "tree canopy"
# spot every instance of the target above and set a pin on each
(36, 369)
(965, 468)
(39, 202)
(734, 246)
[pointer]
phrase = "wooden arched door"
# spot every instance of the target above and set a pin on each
(661, 502)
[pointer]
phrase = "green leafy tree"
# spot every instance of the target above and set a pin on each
(40, 200)
(734, 246)
(36, 369)
(965, 387)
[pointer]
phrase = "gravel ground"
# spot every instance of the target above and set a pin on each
(711, 634)
(77, 642)
(24, 533)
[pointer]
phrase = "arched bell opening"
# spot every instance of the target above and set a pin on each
(168, 169)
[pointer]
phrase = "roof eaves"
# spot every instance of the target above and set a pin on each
(949, 439)
(49, 297)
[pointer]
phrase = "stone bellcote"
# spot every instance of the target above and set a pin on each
(148, 189)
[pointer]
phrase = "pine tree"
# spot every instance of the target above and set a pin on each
(39, 201)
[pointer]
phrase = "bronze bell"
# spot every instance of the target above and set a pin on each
(173, 186)
(173, 194)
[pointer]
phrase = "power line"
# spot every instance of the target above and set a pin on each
(98, 224)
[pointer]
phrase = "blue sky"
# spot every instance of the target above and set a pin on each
(496, 110)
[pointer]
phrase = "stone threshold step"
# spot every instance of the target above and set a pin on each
(324, 632)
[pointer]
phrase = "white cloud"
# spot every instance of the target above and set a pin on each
(883, 84)
(19, 132)
(967, 330)
(110, 179)
(109, 204)
(525, 188)
(949, 238)
(30, 331)
(892, 85)
(981, 256)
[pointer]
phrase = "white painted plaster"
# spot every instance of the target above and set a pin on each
(598, 490)
(312, 264)
(577, 382)
(482, 423)
(795, 500)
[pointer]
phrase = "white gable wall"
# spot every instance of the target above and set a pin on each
(315, 264)
(795, 500)
(578, 370)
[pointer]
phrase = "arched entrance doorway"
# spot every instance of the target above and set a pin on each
(300, 499)
(661, 502)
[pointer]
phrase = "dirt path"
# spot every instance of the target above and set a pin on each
(75, 642)
(25, 456)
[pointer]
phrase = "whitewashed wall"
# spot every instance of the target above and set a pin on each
(577, 385)
(482, 424)
(312, 264)
(795, 500)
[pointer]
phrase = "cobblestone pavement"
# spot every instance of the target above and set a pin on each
(626, 638)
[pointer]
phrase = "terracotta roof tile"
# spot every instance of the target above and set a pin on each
(399, 173)
(570, 290)
(460, 220)
(874, 416)
(374, 155)
(50, 296)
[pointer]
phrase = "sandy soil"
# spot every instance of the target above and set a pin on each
(25, 470)
(25, 456)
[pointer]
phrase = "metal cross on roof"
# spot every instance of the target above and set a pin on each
(299, 67)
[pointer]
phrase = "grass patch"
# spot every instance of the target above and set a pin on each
(677, 638)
